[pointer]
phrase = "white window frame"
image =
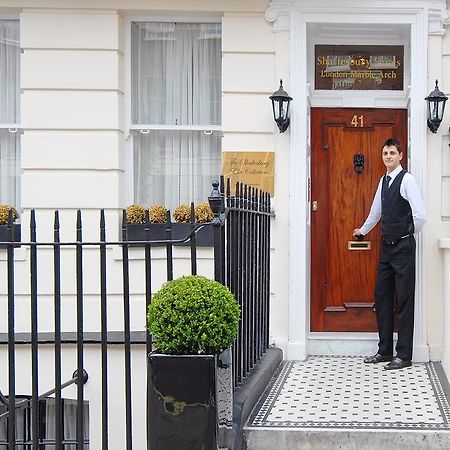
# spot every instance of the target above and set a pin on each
(146, 128)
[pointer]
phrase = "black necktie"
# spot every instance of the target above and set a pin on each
(385, 186)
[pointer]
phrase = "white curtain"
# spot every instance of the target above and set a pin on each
(176, 80)
(9, 112)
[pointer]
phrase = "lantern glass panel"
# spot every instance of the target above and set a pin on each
(441, 108)
(281, 112)
(274, 110)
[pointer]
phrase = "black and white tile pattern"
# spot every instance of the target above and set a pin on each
(343, 392)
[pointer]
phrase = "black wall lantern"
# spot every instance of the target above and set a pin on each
(280, 106)
(436, 105)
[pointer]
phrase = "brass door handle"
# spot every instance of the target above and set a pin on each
(315, 205)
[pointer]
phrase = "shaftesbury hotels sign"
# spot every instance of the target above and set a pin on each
(359, 67)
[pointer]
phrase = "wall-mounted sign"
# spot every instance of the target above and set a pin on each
(359, 67)
(253, 168)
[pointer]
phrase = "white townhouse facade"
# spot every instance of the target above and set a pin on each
(105, 103)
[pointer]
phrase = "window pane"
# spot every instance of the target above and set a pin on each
(9, 168)
(9, 112)
(9, 73)
(172, 168)
(69, 423)
(176, 73)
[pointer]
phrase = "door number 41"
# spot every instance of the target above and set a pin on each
(357, 121)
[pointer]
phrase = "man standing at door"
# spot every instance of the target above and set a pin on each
(399, 205)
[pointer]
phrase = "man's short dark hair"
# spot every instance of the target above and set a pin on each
(393, 143)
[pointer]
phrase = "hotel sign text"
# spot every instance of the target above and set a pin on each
(359, 67)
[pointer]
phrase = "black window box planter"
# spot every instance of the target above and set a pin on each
(204, 237)
(5, 235)
(182, 402)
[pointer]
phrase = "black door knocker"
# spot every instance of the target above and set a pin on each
(358, 161)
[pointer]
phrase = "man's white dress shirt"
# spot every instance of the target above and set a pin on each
(409, 190)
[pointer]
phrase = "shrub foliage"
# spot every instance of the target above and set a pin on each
(182, 213)
(193, 315)
(4, 214)
(203, 213)
(136, 214)
(158, 214)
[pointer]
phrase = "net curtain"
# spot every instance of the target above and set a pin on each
(9, 112)
(176, 80)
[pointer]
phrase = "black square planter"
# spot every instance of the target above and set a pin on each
(5, 235)
(157, 231)
(182, 402)
(204, 237)
(136, 232)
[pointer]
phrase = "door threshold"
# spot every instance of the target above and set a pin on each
(343, 344)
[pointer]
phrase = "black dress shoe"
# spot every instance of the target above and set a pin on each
(375, 359)
(397, 363)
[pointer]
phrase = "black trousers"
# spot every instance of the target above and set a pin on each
(396, 275)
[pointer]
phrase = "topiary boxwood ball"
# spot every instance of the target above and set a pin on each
(193, 315)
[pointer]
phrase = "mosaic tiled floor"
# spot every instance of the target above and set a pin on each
(342, 392)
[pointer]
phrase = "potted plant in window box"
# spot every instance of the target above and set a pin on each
(204, 214)
(186, 217)
(135, 225)
(135, 222)
(192, 321)
(158, 216)
(184, 222)
(7, 214)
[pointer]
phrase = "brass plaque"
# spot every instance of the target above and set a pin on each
(256, 169)
(359, 67)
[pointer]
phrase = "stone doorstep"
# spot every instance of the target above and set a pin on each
(330, 439)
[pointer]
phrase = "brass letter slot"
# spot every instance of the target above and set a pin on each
(359, 245)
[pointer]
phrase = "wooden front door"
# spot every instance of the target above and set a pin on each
(346, 167)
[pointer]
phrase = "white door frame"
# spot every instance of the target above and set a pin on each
(423, 17)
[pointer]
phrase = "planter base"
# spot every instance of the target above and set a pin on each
(182, 402)
(157, 231)
(5, 237)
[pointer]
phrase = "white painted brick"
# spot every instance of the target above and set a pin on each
(74, 69)
(71, 150)
(70, 110)
(247, 34)
(247, 113)
(69, 30)
(65, 189)
(248, 72)
(248, 142)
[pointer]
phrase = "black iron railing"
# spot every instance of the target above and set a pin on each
(247, 272)
(241, 261)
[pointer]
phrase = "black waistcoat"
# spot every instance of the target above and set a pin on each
(396, 214)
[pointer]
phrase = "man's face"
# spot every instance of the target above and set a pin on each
(391, 157)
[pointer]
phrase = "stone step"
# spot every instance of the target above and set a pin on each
(329, 439)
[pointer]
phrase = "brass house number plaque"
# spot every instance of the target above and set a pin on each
(359, 67)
